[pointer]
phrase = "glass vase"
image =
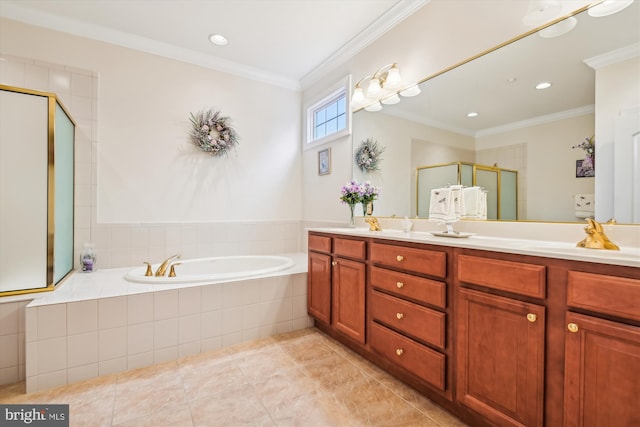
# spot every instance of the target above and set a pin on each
(352, 218)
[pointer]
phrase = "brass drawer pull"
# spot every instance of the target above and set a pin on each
(399, 315)
(399, 285)
(572, 327)
(334, 263)
(399, 258)
(399, 352)
(532, 317)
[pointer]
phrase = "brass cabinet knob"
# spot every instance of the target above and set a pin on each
(399, 315)
(399, 285)
(334, 263)
(532, 317)
(399, 258)
(399, 352)
(572, 327)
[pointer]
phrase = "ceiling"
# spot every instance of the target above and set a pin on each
(281, 42)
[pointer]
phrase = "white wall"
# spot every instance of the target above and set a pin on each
(146, 193)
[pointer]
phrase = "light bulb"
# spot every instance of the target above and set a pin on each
(374, 107)
(390, 100)
(608, 7)
(393, 80)
(412, 90)
(374, 88)
(357, 99)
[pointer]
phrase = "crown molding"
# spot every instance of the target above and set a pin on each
(618, 55)
(392, 17)
(71, 26)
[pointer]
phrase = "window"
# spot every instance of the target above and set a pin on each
(328, 118)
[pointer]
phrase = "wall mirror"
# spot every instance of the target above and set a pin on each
(37, 139)
(517, 127)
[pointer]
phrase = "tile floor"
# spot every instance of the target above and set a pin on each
(303, 378)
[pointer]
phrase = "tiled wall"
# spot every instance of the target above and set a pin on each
(12, 339)
(71, 342)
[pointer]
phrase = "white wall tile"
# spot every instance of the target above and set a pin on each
(251, 316)
(52, 355)
(112, 366)
(232, 294)
(51, 380)
(112, 343)
(189, 349)
(82, 316)
(112, 312)
(165, 354)
(211, 324)
(165, 304)
(31, 384)
(189, 301)
(82, 349)
(52, 321)
(212, 297)
(82, 373)
(31, 358)
(231, 320)
(139, 360)
(140, 338)
(81, 85)
(165, 333)
(209, 344)
(189, 328)
(31, 324)
(139, 308)
(299, 306)
(8, 350)
(9, 318)
(9, 375)
(251, 291)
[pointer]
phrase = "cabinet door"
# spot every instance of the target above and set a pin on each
(319, 286)
(602, 373)
(348, 298)
(500, 358)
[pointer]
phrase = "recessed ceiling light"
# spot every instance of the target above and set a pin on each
(218, 39)
(543, 85)
(472, 114)
(512, 79)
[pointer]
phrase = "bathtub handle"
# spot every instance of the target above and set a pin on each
(149, 272)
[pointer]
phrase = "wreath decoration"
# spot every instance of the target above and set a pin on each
(368, 155)
(212, 133)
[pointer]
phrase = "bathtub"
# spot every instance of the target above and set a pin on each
(214, 269)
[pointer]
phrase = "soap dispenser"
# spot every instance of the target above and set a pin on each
(88, 258)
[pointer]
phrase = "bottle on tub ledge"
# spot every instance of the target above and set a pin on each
(88, 258)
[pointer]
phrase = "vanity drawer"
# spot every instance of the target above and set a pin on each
(422, 261)
(613, 295)
(421, 323)
(319, 243)
(517, 277)
(423, 290)
(421, 361)
(350, 248)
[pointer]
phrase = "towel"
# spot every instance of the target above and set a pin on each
(483, 205)
(585, 205)
(473, 202)
(441, 206)
(457, 200)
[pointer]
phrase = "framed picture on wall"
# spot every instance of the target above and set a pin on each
(324, 161)
(583, 171)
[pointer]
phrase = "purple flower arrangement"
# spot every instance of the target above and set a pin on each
(354, 192)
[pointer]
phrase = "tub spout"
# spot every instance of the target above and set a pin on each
(165, 264)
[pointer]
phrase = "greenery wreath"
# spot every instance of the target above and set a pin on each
(368, 155)
(212, 133)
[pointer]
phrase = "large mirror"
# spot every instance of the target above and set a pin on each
(517, 127)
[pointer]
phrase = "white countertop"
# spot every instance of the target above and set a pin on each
(626, 256)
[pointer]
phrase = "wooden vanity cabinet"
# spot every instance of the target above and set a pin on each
(407, 310)
(500, 339)
(336, 284)
(602, 356)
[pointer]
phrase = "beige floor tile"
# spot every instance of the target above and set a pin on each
(303, 378)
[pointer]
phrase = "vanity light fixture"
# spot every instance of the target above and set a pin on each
(218, 39)
(374, 107)
(390, 100)
(543, 85)
(410, 91)
(608, 7)
(381, 85)
(558, 29)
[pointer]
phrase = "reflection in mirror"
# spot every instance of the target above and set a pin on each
(517, 126)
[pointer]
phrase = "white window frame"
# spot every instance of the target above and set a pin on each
(332, 92)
